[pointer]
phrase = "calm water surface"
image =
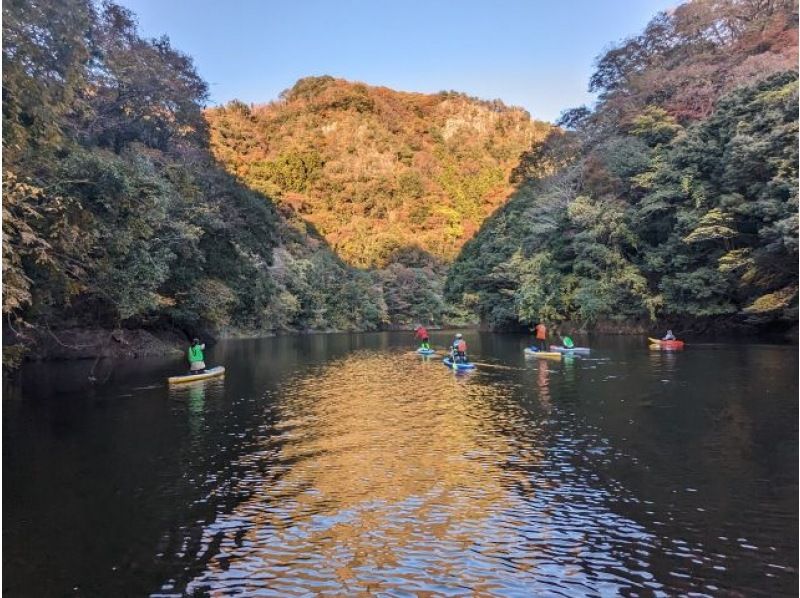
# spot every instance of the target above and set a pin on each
(342, 465)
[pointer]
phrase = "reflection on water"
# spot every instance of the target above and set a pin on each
(346, 466)
(193, 396)
(543, 382)
(381, 485)
(400, 480)
(386, 484)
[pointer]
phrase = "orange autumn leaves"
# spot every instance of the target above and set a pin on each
(377, 171)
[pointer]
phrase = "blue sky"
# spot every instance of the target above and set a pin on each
(534, 53)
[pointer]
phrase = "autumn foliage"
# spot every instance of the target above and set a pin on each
(377, 171)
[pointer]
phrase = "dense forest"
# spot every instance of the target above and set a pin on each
(674, 200)
(381, 174)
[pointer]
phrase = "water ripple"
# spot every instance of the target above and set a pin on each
(377, 479)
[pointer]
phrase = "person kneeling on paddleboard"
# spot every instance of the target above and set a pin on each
(196, 358)
(669, 336)
(422, 334)
(459, 349)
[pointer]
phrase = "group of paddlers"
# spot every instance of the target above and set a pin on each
(540, 338)
(458, 348)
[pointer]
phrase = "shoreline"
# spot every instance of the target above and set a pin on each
(83, 343)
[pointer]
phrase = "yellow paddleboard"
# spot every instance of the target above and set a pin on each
(204, 375)
(543, 354)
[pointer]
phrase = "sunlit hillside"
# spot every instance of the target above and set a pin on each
(377, 171)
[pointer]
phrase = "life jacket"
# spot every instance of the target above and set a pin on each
(196, 353)
(461, 346)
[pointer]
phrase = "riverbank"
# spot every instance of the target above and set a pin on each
(694, 328)
(92, 343)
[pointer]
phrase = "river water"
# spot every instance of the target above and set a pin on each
(344, 465)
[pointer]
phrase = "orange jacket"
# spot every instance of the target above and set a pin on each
(541, 332)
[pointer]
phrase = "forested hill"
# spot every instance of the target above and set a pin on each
(118, 218)
(115, 214)
(674, 200)
(378, 172)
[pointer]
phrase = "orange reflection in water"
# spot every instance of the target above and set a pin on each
(543, 382)
(390, 475)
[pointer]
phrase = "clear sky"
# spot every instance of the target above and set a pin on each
(537, 54)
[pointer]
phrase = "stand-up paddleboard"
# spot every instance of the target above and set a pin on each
(215, 372)
(655, 342)
(458, 366)
(531, 352)
(578, 350)
(422, 351)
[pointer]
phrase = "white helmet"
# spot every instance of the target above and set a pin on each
(459, 335)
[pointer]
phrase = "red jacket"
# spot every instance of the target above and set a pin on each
(421, 333)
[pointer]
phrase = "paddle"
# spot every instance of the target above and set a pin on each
(454, 365)
(491, 365)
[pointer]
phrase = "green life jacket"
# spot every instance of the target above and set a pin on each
(196, 353)
(568, 342)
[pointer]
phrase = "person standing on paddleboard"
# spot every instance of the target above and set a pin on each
(422, 335)
(541, 336)
(196, 358)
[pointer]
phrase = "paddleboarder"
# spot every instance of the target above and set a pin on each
(196, 358)
(541, 336)
(458, 349)
(422, 334)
